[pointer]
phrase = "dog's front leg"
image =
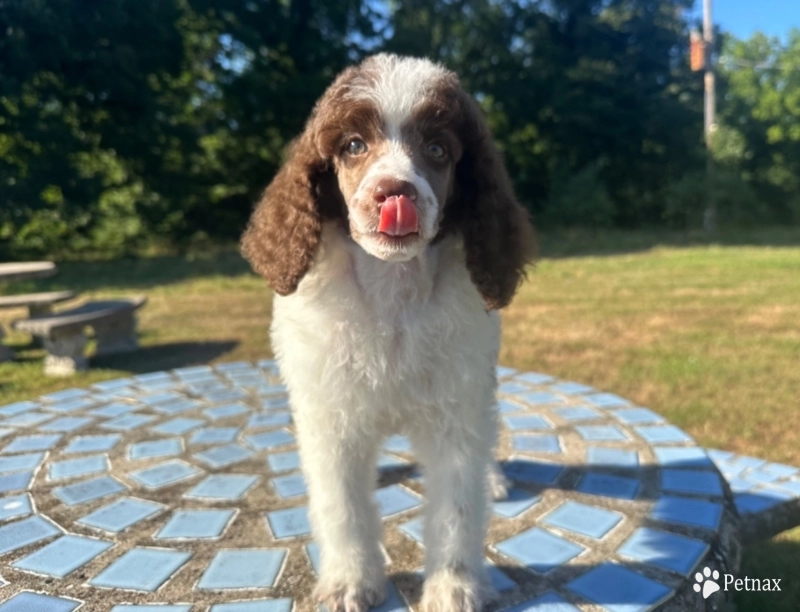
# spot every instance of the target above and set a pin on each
(455, 463)
(339, 467)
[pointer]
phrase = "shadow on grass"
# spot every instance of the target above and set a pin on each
(557, 244)
(775, 558)
(165, 356)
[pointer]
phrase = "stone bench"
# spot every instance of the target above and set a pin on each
(64, 337)
(38, 304)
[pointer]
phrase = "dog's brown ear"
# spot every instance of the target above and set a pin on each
(283, 235)
(498, 236)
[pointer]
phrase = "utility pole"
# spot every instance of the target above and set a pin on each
(709, 115)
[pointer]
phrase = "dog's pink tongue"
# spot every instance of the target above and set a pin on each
(398, 216)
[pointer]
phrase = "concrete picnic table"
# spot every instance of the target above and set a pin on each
(182, 488)
(19, 271)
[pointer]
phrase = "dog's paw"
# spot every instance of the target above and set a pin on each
(351, 597)
(451, 590)
(498, 484)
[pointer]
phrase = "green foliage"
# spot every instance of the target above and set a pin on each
(128, 123)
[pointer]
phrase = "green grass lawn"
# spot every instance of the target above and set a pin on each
(707, 335)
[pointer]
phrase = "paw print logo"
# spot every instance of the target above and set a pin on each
(707, 579)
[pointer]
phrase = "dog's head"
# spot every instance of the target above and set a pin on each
(398, 152)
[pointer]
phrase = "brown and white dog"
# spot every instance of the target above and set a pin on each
(392, 236)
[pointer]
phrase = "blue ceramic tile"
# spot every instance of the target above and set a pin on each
(394, 499)
(668, 551)
(760, 500)
(243, 569)
(606, 400)
(283, 462)
(539, 550)
(24, 532)
(69, 468)
(504, 372)
(537, 472)
(142, 569)
(17, 408)
(32, 443)
(36, 602)
(517, 502)
(190, 371)
(292, 485)
(27, 419)
(62, 556)
(656, 434)
(694, 482)
(686, 511)
(540, 398)
(269, 419)
(612, 457)
(312, 550)
(229, 395)
(114, 409)
(719, 455)
(167, 447)
(289, 522)
(512, 388)
(72, 405)
(121, 514)
(226, 411)
(534, 378)
(158, 385)
(414, 529)
(178, 426)
(601, 433)
(537, 443)
(506, 406)
(388, 463)
(397, 444)
(549, 602)
(791, 486)
(214, 435)
(779, 470)
(92, 444)
(222, 456)
(126, 393)
(152, 608)
(577, 413)
(585, 520)
(571, 388)
(270, 439)
(15, 481)
(526, 421)
(196, 524)
(233, 365)
(222, 486)
(608, 486)
(88, 490)
(15, 463)
(757, 477)
(110, 385)
(682, 456)
(740, 485)
(177, 407)
(160, 398)
(66, 394)
(14, 506)
(619, 589)
(128, 422)
(637, 416)
(6, 431)
(500, 582)
(165, 474)
(255, 605)
(275, 403)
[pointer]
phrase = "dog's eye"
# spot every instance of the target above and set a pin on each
(435, 150)
(356, 147)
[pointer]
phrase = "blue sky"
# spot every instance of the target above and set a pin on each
(742, 18)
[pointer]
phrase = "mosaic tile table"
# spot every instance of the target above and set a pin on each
(181, 490)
